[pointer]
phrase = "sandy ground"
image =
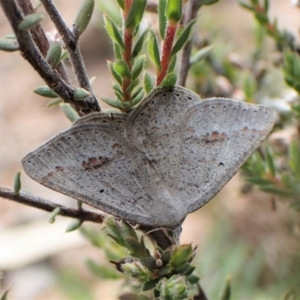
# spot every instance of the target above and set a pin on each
(27, 241)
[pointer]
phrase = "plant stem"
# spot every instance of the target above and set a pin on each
(40, 38)
(128, 38)
(32, 54)
(166, 51)
(71, 43)
(40, 203)
(191, 12)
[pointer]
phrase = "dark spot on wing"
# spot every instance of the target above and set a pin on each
(94, 163)
(215, 136)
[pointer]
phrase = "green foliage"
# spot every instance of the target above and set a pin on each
(113, 32)
(153, 50)
(45, 91)
(17, 183)
(9, 44)
(225, 295)
(183, 37)
(168, 274)
(291, 69)
(74, 225)
(84, 16)
(53, 215)
(69, 112)
(174, 10)
(282, 38)
(54, 54)
(135, 14)
(162, 17)
(80, 94)
(30, 21)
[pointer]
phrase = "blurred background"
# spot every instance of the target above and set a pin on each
(238, 234)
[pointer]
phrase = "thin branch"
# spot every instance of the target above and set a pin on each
(191, 13)
(40, 38)
(32, 54)
(71, 43)
(40, 203)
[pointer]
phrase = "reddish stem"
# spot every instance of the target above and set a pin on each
(167, 48)
(128, 38)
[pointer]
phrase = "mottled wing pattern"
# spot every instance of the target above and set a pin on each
(93, 162)
(218, 135)
(156, 124)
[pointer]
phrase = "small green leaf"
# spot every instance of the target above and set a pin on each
(193, 279)
(64, 55)
(80, 94)
(17, 183)
(45, 91)
(136, 92)
(113, 230)
(294, 158)
(162, 18)
(30, 21)
(169, 80)
(137, 67)
(175, 287)
(136, 98)
(274, 190)
(122, 69)
(121, 3)
(201, 54)
(69, 112)
(209, 2)
(113, 32)
(153, 50)
(135, 13)
(246, 6)
(149, 285)
(172, 64)
(75, 224)
(132, 85)
(183, 38)
(180, 256)
(148, 83)
(118, 90)
(270, 161)
(54, 102)
(249, 86)
(117, 51)
(114, 73)
(54, 54)
(174, 10)
(139, 44)
(226, 293)
(113, 102)
(9, 45)
(84, 16)
(260, 181)
(55, 212)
